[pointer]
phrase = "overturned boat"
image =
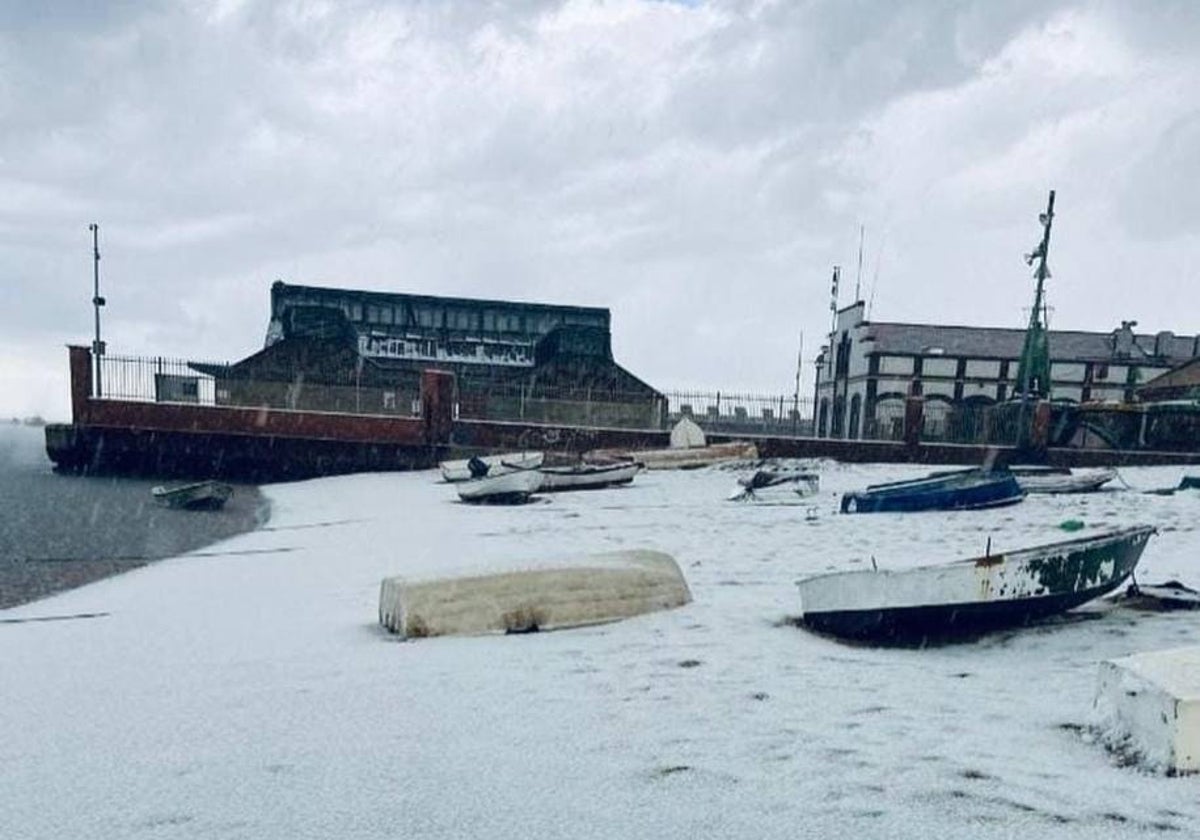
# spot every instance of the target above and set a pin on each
(1061, 480)
(986, 592)
(954, 490)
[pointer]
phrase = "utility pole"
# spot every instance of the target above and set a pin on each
(796, 395)
(97, 302)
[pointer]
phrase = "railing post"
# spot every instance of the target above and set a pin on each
(81, 382)
(914, 419)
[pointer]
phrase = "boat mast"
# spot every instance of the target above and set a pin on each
(1033, 372)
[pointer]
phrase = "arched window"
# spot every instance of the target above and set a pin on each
(823, 418)
(855, 413)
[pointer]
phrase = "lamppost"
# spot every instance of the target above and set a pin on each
(97, 301)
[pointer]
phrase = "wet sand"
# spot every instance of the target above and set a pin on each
(60, 531)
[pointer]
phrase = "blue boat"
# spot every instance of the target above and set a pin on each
(958, 490)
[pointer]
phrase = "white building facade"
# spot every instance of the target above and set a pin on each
(868, 368)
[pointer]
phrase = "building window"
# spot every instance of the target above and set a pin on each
(385, 314)
(372, 314)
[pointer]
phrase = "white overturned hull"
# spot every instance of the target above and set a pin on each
(587, 476)
(1064, 482)
(507, 488)
(554, 595)
(497, 464)
(984, 592)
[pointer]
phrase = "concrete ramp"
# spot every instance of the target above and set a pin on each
(550, 595)
(1149, 708)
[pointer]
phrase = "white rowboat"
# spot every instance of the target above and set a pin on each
(497, 464)
(510, 488)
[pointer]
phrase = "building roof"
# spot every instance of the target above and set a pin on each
(1005, 343)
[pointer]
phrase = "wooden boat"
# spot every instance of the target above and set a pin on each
(587, 476)
(497, 464)
(981, 593)
(201, 495)
(509, 488)
(1061, 480)
(956, 490)
(773, 484)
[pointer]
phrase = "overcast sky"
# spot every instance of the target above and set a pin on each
(696, 167)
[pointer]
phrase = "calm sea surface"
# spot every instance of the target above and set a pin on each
(59, 531)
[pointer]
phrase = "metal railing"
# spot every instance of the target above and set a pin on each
(164, 380)
(733, 412)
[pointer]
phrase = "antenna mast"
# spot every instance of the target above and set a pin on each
(858, 276)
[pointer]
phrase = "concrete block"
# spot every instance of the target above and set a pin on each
(551, 595)
(1148, 705)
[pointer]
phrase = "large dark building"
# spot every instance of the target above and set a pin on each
(345, 350)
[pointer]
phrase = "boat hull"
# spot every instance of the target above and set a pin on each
(1064, 482)
(954, 491)
(512, 488)
(587, 477)
(204, 495)
(455, 471)
(971, 595)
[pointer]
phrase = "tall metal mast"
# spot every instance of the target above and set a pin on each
(1033, 372)
(97, 301)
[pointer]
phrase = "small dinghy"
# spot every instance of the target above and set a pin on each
(510, 488)
(956, 490)
(496, 464)
(986, 592)
(201, 495)
(773, 485)
(587, 476)
(1061, 480)
(1160, 597)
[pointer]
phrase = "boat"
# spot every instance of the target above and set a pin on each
(678, 458)
(587, 476)
(1160, 597)
(1061, 480)
(508, 488)
(986, 592)
(496, 464)
(775, 484)
(954, 490)
(200, 495)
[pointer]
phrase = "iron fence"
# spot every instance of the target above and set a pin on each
(733, 412)
(164, 380)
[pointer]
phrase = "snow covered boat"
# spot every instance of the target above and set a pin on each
(774, 484)
(1061, 480)
(1171, 595)
(509, 488)
(981, 593)
(955, 490)
(497, 464)
(200, 495)
(587, 476)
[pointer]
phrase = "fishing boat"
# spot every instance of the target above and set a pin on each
(776, 485)
(993, 590)
(587, 476)
(955, 490)
(508, 488)
(1061, 479)
(200, 495)
(496, 464)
